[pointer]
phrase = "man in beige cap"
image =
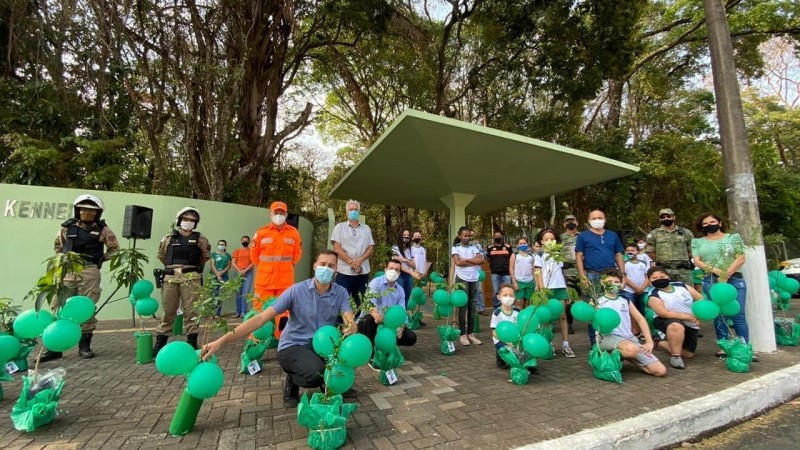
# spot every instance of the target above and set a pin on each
(275, 249)
(670, 247)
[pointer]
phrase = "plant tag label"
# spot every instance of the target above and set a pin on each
(451, 346)
(11, 367)
(391, 376)
(253, 367)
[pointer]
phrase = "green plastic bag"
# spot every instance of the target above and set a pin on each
(253, 351)
(739, 355)
(448, 334)
(185, 414)
(414, 321)
(21, 360)
(519, 361)
(606, 366)
(546, 330)
(386, 362)
(177, 325)
(37, 401)
(326, 420)
(787, 332)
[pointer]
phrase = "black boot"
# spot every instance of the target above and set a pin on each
(291, 393)
(161, 341)
(85, 346)
(191, 339)
(49, 355)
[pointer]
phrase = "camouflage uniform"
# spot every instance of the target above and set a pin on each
(672, 251)
(570, 270)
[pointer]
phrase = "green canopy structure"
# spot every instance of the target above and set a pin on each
(431, 162)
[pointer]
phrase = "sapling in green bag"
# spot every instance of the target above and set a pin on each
(787, 332)
(739, 355)
(253, 351)
(38, 400)
(520, 363)
(448, 334)
(326, 421)
(606, 366)
(386, 362)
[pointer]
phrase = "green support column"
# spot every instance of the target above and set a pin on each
(457, 203)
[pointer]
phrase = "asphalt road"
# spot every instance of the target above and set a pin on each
(778, 429)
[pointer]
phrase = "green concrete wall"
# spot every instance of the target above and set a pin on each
(32, 215)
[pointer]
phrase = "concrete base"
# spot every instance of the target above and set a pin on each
(686, 420)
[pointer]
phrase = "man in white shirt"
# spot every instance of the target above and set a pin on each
(353, 243)
(466, 261)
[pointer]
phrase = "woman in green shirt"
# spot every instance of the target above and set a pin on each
(721, 256)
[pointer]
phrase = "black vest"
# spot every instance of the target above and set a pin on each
(84, 242)
(184, 250)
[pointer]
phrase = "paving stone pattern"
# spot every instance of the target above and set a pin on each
(460, 401)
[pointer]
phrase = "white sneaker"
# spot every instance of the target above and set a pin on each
(566, 351)
(463, 340)
(472, 339)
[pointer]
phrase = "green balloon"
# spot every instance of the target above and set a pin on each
(355, 350)
(773, 283)
(249, 314)
(78, 309)
(417, 293)
(268, 303)
(527, 322)
(607, 319)
(339, 378)
(325, 340)
(780, 276)
(9, 348)
(265, 331)
(481, 275)
(441, 297)
(583, 311)
(649, 316)
(411, 304)
(536, 345)
(705, 310)
(205, 380)
(379, 273)
(722, 293)
(61, 335)
(507, 332)
(142, 289)
(176, 358)
(459, 298)
(785, 296)
(422, 300)
(212, 360)
(385, 340)
(556, 308)
(444, 310)
(146, 306)
(30, 324)
(394, 317)
(544, 314)
(730, 309)
(789, 285)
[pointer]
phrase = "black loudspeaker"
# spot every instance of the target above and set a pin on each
(138, 222)
(293, 220)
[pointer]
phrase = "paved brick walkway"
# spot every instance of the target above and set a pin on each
(460, 401)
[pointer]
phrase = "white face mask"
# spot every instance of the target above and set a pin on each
(641, 246)
(187, 225)
(597, 223)
(278, 219)
(392, 275)
(507, 301)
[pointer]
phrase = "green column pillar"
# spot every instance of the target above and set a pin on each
(457, 203)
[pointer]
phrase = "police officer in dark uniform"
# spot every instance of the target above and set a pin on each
(90, 237)
(183, 252)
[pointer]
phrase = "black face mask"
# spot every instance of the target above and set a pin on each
(572, 226)
(406, 239)
(660, 283)
(245, 243)
(417, 240)
(713, 228)
(498, 240)
(667, 222)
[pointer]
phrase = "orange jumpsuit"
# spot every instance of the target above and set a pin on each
(274, 252)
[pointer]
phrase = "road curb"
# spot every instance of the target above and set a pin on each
(686, 420)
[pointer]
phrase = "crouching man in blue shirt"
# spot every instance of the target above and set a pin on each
(390, 293)
(312, 304)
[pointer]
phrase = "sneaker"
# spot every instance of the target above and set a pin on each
(463, 340)
(755, 358)
(566, 351)
(291, 394)
(473, 340)
(676, 362)
(483, 313)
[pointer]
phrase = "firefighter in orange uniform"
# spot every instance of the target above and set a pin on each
(275, 249)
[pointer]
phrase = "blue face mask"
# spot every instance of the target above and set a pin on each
(323, 274)
(352, 215)
(523, 248)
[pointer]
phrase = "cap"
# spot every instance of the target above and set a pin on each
(278, 205)
(666, 211)
(569, 216)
